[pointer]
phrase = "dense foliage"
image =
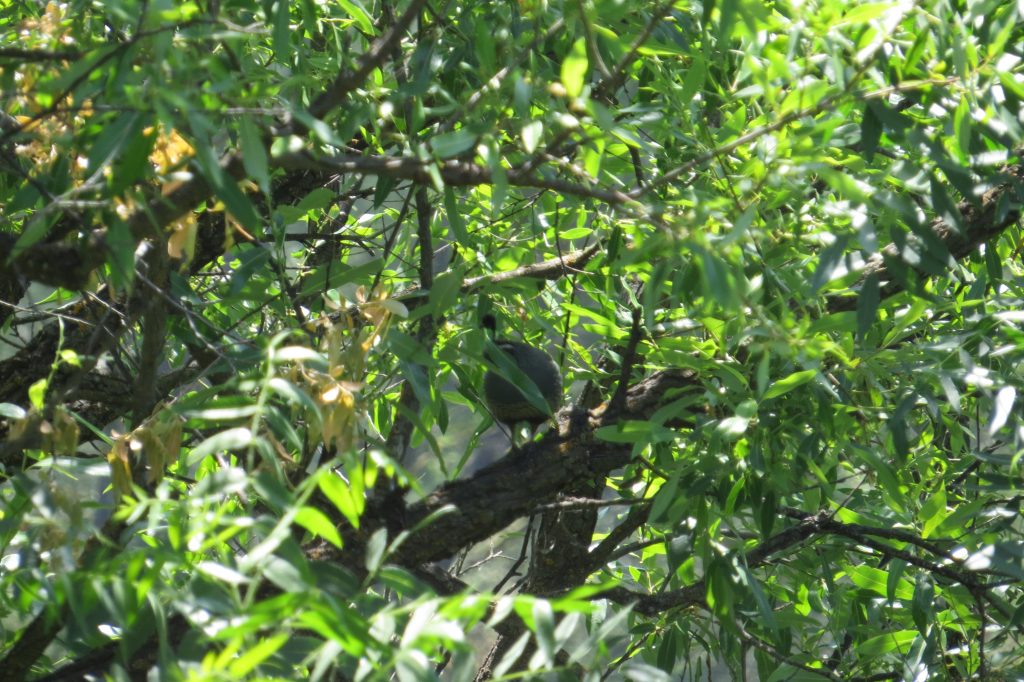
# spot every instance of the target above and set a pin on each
(245, 251)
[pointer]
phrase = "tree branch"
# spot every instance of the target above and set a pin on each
(347, 81)
(453, 172)
(998, 209)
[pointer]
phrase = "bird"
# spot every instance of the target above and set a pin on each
(524, 385)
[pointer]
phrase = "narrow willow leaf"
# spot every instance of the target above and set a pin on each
(531, 135)
(574, 69)
(254, 155)
(787, 384)
(867, 305)
(1001, 409)
(317, 523)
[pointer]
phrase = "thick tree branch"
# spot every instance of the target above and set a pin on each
(464, 512)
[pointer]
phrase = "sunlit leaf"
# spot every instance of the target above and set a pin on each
(574, 69)
(787, 384)
(1001, 408)
(317, 523)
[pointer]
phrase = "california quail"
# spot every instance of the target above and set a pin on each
(506, 391)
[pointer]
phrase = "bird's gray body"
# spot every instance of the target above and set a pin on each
(506, 401)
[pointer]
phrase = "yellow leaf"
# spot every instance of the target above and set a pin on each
(65, 432)
(181, 244)
(120, 467)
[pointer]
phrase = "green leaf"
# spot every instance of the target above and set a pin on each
(1001, 409)
(1002, 557)
(224, 186)
(764, 607)
(37, 393)
(326, 133)
(447, 145)
(732, 428)
(922, 607)
(248, 660)
(543, 625)
(375, 550)
(222, 573)
(12, 411)
(898, 641)
(133, 164)
(893, 580)
(317, 523)
(593, 157)
(254, 155)
(317, 200)
(667, 650)
(870, 132)
(445, 292)
(654, 48)
(224, 414)
(296, 396)
(665, 496)
(876, 580)
(721, 592)
(180, 12)
(728, 10)
(363, 20)
(933, 512)
(113, 138)
(1010, 82)
(574, 69)
(946, 209)
(828, 261)
(239, 205)
(864, 12)
(344, 627)
(281, 35)
(576, 233)
(634, 432)
(286, 574)
(33, 233)
(121, 247)
(867, 305)
(232, 439)
(882, 469)
(962, 129)
(787, 384)
(341, 496)
(532, 133)
(485, 48)
(695, 77)
(455, 219)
